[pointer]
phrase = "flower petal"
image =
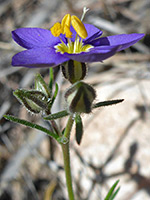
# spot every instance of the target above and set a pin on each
(123, 40)
(92, 32)
(34, 37)
(96, 54)
(38, 57)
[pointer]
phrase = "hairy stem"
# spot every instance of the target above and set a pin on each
(66, 157)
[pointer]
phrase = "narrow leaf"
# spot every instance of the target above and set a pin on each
(51, 79)
(50, 190)
(56, 115)
(114, 194)
(79, 128)
(31, 125)
(54, 96)
(56, 92)
(110, 194)
(107, 103)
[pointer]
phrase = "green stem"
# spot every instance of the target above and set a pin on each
(68, 127)
(66, 157)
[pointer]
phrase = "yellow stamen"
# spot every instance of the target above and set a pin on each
(71, 47)
(56, 29)
(67, 32)
(78, 26)
(66, 21)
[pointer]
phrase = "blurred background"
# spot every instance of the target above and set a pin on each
(116, 141)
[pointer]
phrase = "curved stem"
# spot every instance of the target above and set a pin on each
(66, 157)
(68, 127)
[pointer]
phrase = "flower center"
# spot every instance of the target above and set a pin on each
(64, 28)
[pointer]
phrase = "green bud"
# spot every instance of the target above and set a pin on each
(80, 97)
(34, 101)
(41, 86)
(74, 71)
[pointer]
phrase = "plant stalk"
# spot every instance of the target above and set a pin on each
(66, 157)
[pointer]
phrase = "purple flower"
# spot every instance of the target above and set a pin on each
(49, 48)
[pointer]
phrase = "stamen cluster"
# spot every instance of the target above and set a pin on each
(64, 27)
(76, 46)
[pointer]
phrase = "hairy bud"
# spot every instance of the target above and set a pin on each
(34, 101)
(80, 97)
(74, 71)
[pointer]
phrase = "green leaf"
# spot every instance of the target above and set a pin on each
(115, 193)
(112, 193)
(56, 92)
(51, 79)
(57, 115)
(79, 128)
(107, 103)
(31, 125)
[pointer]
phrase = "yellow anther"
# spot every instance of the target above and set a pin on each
(78, 26)
(66, 21)
(56, 29)
(67, 32)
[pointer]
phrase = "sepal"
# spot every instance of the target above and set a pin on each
(40, 85)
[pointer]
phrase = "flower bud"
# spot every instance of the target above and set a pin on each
(80, 97)
(74, 71)
(34, 101)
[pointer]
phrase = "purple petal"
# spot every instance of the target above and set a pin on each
(92, 31)
(40, 57)
(123, 40)
(34, 37)
(92, 38)
(94, 55)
